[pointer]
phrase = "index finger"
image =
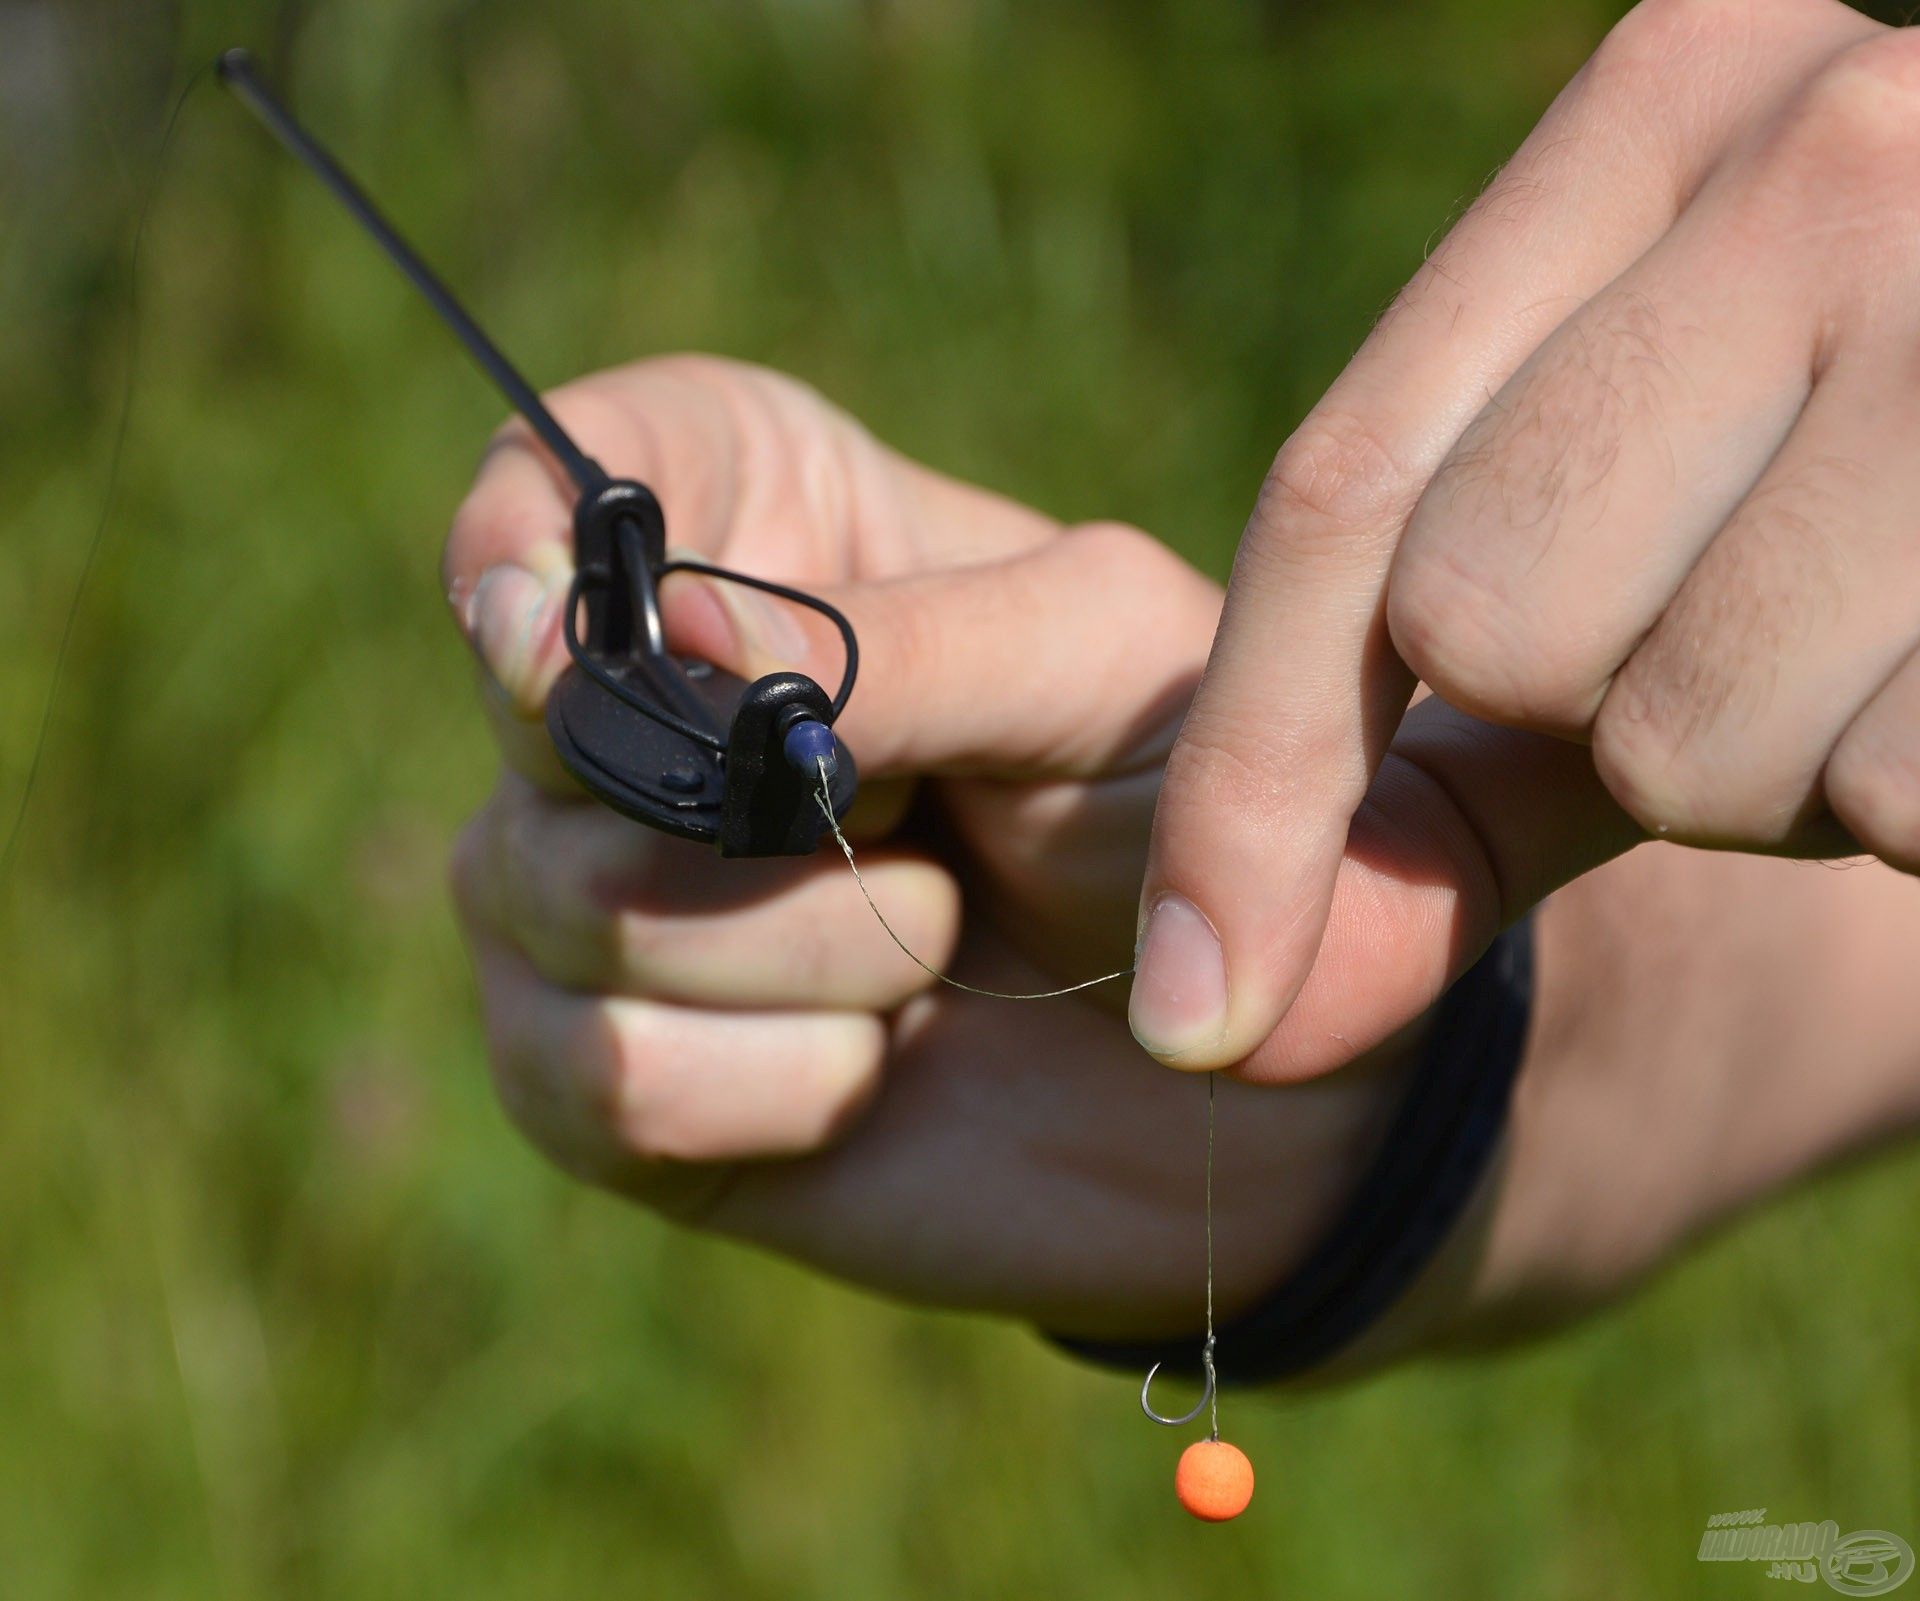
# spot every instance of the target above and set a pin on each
(509, 554)
(1304, 689)
(752, 468)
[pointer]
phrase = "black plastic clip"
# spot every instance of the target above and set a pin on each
(670, 741)
(673, 741)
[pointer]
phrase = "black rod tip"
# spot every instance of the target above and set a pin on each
(234, 63)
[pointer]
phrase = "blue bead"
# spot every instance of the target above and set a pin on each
(807, 745)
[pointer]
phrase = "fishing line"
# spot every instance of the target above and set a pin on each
(1214, 1480)
(621, 521)
(1213, 1395)
(114, 455)
(825, 799)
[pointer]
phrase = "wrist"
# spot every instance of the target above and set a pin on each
(1709, 1029)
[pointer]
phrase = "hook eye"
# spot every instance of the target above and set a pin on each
(1199, 1406)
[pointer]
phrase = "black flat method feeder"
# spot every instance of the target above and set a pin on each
(670, 741)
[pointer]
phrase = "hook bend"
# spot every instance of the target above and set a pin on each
(1199, 1406)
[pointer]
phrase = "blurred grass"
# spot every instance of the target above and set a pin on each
(284, 1309)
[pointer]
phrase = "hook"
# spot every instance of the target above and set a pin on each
(1199, 1406)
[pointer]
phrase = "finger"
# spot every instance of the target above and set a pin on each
(745, 462)
(1074, 657)
(1873, 780)
(526, 749)
(509, 555)
(1570, 511)
(1303, 689)
(1061, 859)
(630, 1094)
(1716, 732)
(596, 904)
(1575, 505)
(1466, 826)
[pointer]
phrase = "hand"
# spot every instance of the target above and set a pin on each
(738, 1045)
(737, 1042)
(1629, 464)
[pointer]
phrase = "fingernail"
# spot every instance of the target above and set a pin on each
(1179, 999)
(768, 633)
(507, 616)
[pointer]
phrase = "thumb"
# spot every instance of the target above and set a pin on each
(1073, 658)
(1465, 827)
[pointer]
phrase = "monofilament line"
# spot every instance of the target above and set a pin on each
(825, 799)
(122, 424)
(1213, 1397)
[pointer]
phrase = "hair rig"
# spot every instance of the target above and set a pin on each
(682, 746)
(670, 741)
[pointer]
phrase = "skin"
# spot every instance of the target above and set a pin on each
(739, 1046)
(1626, 464)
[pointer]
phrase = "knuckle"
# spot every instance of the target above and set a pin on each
(698, 367)
(630, 1091)
(1146, 567)
(629, 950)
(1535, 458)
(1659, 40)
(1334, 484)
(1875, 79)
(1230, 770)
(754, 405)
(1690, 735)
(569, 1088)
(1649, 736)
(1873, 787)
(657, 1102)
(1777, 577)
(1661, 746)
(468, 874)
(1436, 615)
(525, 1082)
(526, 882)
(750, 398)
(587, 952)
(1664, 25)
(1856, 125)
(1676, 68)
(561, 907)
(649, 1118)
(1483, 648)
(1121, 546)
(726, 376)
(1634, 759)
(517, 1087)
(585, 1137)
(1531, 471)
(599, 408)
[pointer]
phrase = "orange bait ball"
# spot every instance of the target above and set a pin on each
(1214, 1480)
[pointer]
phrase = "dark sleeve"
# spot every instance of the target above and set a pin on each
(1412, 1194)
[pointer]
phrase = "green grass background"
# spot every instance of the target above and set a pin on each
(285, 1309)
